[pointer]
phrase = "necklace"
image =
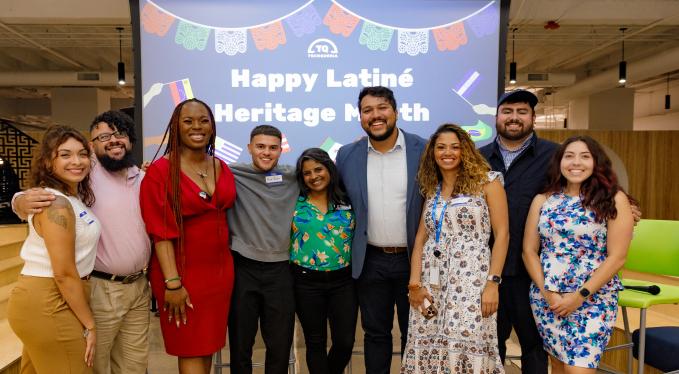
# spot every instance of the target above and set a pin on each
(202, 174)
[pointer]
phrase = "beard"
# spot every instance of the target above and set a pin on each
(514, 136)
(112, 164)
(385, 136)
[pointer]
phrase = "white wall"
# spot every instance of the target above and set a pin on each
(649, 108)
(612, 109)
(578, 113)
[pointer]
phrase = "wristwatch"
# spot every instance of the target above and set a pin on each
(494, 278)
(584, 292)
(87, 331)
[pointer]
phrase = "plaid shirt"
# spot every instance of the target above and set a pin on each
(509, 156)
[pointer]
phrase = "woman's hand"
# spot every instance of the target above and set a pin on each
(90, 342)
(416, 297)
(176, 302)
(490, 299)
(551, 297)
(566, 304)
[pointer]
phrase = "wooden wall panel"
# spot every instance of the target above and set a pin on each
(652, 162)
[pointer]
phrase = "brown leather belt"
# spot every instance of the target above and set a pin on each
(389, 250)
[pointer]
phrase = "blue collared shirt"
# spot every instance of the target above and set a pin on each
(509, 156)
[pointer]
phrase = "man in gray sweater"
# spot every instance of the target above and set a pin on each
(259, 224)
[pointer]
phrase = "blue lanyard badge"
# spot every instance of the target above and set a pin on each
(273, 178)
(438, 224)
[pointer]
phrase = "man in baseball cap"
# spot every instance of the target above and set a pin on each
(522, 158)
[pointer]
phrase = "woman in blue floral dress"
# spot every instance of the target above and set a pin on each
(576, 240)
(320, 255)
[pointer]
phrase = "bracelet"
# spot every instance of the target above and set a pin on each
(414, 287)
(175, 288)
(173, 279)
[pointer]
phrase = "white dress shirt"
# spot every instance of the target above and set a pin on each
(387, 193)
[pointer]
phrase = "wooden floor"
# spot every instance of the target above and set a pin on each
(160, 362)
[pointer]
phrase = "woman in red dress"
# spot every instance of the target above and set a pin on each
(184, 197)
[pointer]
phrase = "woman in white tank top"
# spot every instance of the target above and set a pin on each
(48, 309)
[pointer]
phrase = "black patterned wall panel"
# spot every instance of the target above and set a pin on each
(16, 147)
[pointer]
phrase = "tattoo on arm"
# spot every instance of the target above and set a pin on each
(55, 212)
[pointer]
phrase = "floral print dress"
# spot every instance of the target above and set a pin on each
(458, 339)
(572, 246)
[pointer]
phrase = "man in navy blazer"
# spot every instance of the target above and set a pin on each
(378, 173)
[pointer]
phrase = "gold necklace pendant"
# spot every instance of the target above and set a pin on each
(201, 174)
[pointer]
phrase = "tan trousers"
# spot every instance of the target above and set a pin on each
(52, 335)
(121, 313)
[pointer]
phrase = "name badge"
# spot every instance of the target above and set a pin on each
(86, 217)
(343, 207)
(434, 282)
(273, 178)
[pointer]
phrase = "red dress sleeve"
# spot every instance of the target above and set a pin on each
(155, 203)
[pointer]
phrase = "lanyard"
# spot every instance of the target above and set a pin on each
(438, 224)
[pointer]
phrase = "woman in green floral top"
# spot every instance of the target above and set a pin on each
(320, 256)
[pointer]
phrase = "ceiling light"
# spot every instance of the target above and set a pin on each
(622, 67)
(667, 96)
(512, 65)
(121, 64)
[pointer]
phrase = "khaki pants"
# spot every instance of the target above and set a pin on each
(52, 335)
(121, 313)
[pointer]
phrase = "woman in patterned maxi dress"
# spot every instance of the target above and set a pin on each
(452, 265)
(576, 240)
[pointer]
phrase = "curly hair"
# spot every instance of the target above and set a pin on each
(599, 190)
(118, 121)
(336, 194)
(473, 170)
(41, 169)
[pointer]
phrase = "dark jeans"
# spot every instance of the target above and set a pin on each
(262, 292)
(322, 297)
(383, 283)
(514, 311)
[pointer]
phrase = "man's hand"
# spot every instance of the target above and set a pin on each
(32, 202)
(636, 213)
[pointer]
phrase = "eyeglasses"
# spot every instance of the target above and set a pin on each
(106, 137)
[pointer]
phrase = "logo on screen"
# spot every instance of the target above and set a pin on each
(322, 48)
